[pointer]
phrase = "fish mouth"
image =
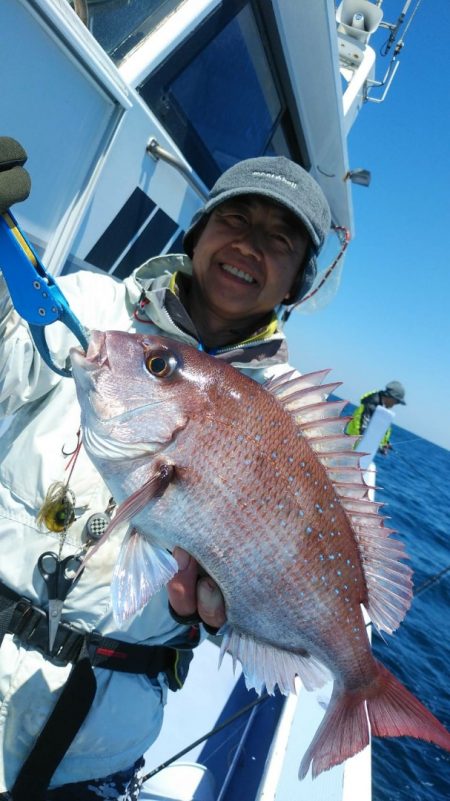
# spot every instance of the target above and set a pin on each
(96, 356)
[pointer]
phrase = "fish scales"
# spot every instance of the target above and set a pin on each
(256, 484)
(297, 516)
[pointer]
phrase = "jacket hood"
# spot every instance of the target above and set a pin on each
(153, 292)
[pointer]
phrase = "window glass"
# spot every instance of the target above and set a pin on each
(119, 25)
(219, 99)
(227, 93)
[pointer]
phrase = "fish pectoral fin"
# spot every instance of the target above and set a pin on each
(141, 570)
(162, 475)
(266, 666)
(154, 487)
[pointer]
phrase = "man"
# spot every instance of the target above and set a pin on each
(392, 395)
(251, 252)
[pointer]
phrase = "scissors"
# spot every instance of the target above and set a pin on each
(59, 575)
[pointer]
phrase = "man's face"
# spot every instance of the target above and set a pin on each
(389, 402)
(248, 256)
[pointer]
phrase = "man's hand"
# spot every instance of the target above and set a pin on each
(384, 449)
(15, 183)
(191, 592)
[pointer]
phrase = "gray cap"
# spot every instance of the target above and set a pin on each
(396, 390)
(283, 181)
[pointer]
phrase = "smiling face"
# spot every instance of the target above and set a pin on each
(247, 258)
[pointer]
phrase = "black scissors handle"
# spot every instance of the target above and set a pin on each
(58, 574)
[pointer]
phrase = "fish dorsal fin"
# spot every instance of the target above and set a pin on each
(286, 381)
(305, 398)
(389, 585)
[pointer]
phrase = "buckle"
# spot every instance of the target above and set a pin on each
(25, 619)
(30, 625)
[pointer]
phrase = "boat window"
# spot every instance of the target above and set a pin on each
(119, 25)
(218, 96)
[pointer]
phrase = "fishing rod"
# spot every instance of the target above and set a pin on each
(432, 580)
(422, 587)
(202, 739)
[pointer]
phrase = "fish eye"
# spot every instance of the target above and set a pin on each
(160, 365)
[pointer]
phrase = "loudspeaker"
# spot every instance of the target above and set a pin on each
(358, 19)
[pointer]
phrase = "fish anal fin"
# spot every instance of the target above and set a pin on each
(264, 665)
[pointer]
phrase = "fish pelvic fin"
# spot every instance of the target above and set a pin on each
(264, 665)
(141, 571)
(385, 708)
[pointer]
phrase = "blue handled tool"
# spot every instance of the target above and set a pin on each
(59, 575)
(34, 292)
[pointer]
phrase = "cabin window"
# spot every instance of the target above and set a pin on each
(120, 25)
(218, 95)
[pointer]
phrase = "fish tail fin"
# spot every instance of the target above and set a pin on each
(395, 712)
(389, 708)
(343, 732)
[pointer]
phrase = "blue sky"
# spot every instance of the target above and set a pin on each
(390, 318)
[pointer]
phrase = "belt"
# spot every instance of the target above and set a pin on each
(29, 623)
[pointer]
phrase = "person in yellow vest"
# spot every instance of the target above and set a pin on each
(393, 394)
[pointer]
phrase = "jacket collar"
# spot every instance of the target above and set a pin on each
(154, 292)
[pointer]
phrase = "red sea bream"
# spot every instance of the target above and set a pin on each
(261, 486)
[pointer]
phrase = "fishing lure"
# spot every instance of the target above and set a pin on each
(57, 512)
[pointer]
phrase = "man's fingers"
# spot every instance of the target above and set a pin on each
(188, 593)
(211, 607)
(182, 588)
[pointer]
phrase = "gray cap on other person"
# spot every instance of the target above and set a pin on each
(283, 181)
(396, 390)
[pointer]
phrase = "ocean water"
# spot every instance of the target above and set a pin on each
(414, 482)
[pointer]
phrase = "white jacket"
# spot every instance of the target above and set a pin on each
(127, 712)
